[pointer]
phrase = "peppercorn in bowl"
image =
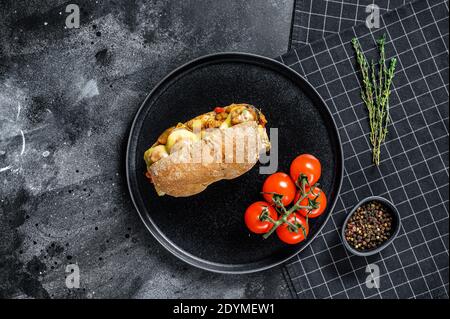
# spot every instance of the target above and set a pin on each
(371, 226)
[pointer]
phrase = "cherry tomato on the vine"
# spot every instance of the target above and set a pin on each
(281, 184)
(308, 165)
(253, 217)
(288, 235)
(321, 201)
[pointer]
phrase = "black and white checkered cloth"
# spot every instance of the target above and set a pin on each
(314, 20)
(414, 169)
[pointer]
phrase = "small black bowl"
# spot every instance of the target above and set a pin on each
(396, 222)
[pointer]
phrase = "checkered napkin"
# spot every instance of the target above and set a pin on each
(314, 20)
(414, 169)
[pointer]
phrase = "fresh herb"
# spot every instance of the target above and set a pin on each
(375, 93)
(369, 226)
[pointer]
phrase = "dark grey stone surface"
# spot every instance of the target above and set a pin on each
(67, 98)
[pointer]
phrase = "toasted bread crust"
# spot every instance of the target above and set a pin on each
(185, 172)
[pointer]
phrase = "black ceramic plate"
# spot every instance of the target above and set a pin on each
(207, 230)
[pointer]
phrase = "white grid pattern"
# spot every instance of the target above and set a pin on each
(436, 165)
(327, 17)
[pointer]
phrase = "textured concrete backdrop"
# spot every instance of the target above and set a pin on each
(67, 98)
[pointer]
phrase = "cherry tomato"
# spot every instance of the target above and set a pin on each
(308, 165)
(281, 184)
(253, 217)
(287, 235)
(219, 109)
(321, 202)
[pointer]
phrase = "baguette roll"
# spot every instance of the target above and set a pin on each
(201, 152)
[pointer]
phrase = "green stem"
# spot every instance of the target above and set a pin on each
(286, 213)
(375, 93)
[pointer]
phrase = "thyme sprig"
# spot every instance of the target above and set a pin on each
(375, 93)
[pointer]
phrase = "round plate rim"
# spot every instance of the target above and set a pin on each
(153, 229)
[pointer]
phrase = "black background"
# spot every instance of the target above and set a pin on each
(72, 206)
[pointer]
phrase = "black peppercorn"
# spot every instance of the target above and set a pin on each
(369, 226)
